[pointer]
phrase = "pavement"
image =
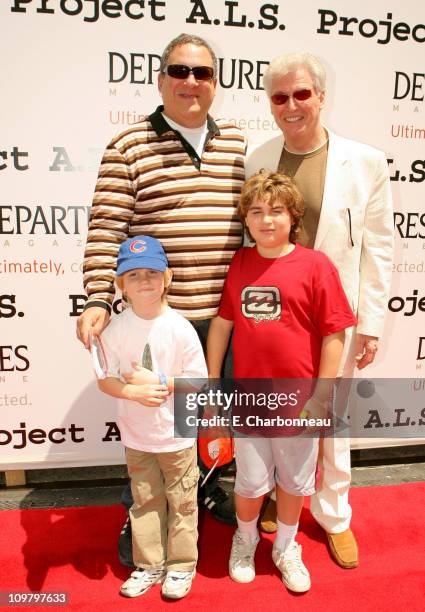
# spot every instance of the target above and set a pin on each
(100, 486)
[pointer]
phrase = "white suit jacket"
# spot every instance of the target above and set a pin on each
(357, 189)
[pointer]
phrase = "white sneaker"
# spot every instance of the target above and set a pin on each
(177, 584)
(141, 580)
(295, 575)
(241, 562)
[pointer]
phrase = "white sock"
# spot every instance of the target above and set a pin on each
(248, 529)
(285, 535)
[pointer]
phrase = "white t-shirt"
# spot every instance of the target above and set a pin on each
(194, 136)
(175, 350)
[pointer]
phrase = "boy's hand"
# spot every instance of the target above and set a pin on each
(148, 395)
(316, 409)
(140, 375)
(213, 431)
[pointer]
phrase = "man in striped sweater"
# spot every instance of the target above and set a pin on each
(177, 176)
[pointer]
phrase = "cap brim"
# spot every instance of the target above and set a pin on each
(137, 263)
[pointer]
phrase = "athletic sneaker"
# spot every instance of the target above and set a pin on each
(241, 562)
(220, 504)
(295, 575)
(141, 580)
(177, 584)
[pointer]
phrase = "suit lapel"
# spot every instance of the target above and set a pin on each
(266, 155)
(336, 186)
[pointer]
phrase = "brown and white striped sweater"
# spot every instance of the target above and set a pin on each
(152, 182)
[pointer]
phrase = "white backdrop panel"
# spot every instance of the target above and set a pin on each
(74, 72)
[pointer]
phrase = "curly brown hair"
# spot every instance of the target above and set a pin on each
(271, 187)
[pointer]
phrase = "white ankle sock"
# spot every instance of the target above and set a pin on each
(248, 529)
(285, 535)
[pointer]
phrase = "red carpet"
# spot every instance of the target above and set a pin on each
(74, 550)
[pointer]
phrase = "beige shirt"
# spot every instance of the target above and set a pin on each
(308, 171)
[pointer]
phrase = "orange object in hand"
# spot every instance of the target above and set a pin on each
(216, 452)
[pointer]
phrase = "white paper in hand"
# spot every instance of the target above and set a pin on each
(99, 358)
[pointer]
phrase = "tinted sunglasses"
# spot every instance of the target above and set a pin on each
(181, 71)
(300, 95)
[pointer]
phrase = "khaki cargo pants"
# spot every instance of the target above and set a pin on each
(164, 515)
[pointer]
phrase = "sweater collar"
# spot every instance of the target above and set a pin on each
(160, 125)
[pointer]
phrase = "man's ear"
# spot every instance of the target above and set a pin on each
(215, 86)
(160, 81)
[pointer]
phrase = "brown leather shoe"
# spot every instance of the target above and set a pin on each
(268, 516)
(344, 548)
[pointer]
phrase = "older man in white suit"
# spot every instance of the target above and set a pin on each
(349, 217)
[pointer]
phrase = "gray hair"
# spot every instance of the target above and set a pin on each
(289, 62)
(186, 39)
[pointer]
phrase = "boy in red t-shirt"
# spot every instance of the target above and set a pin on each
(288, 312)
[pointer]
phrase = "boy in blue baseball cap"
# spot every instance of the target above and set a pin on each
(163, 469)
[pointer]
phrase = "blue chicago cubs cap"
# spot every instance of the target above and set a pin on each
(141, 252)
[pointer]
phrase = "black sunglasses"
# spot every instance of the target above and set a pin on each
(300, 95)
(181, 71)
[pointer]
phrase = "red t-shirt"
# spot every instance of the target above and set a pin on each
(281, 310)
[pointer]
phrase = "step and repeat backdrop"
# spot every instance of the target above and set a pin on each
(75, 72)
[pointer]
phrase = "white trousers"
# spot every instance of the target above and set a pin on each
(329, 505)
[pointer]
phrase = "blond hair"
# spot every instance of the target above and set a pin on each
(289, 62)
